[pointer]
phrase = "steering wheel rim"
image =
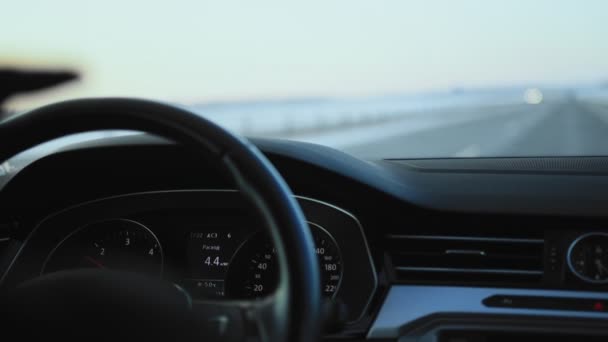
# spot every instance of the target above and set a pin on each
(294, 312)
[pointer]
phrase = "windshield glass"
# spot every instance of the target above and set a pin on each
(377, 79)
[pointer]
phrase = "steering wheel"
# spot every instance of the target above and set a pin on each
(88, 303)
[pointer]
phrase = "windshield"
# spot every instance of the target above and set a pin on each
(377, 79)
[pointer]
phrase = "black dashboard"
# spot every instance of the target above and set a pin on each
(434, 249)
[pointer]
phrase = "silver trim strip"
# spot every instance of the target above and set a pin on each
(466, 270)
(462, 238)
(405, 304)
(465, 252)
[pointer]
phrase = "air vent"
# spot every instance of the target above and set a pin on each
(465, 259)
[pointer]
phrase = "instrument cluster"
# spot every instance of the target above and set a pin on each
(207, 242)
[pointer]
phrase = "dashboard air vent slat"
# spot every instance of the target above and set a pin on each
(465, 259)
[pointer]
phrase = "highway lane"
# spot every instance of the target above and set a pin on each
(573, 129)
(564, 127)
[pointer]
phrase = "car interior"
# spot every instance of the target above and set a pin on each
(267, 212)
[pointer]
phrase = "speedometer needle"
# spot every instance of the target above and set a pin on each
(94, 261)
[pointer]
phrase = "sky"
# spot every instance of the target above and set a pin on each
(202, 51)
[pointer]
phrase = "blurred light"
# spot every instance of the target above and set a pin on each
(533, 96)
(598, 306)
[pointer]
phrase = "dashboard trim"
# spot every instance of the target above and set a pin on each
(406, 304)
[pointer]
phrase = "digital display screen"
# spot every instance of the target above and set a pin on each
(209, 254)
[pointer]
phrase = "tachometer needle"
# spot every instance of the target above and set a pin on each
(94, 262)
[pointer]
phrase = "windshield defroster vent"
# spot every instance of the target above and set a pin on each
(465, 259)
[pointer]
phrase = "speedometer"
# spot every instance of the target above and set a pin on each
(253, 270)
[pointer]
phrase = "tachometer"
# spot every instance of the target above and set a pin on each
(113, 244)
(253, 270)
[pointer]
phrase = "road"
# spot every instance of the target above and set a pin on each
(565, 127)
